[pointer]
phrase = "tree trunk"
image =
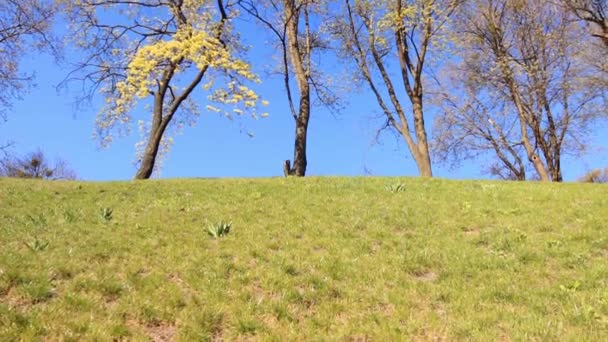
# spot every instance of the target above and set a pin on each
(556, 168)
(524, 122)
(423, 158)
(149, 158)
(299, 154)
(424, 166)
(539, 167)
(300, 60)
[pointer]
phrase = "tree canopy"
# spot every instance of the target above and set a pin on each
(159, 52)
(519, 83)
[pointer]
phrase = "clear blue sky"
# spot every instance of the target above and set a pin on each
(217, 147)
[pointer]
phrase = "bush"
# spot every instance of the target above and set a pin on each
(35, 165)
(595, 176)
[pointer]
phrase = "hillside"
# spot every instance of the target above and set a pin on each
(314, 258)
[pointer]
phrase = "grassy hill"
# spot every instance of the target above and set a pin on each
(307, 259)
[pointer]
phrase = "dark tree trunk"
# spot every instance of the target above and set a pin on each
(299, 53)
(149, 158)
(556, 168)
(299, 154)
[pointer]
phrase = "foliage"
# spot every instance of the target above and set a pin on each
(35, 165)
(159, 55)
(316, 259)
(24, 26)
(375, 34)
(523, 82)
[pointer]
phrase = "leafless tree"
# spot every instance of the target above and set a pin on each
(4, 148)
(374, 34)
(519, 91)
(297, 26)
(472, 125)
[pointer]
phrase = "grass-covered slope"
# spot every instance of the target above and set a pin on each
(315, 258)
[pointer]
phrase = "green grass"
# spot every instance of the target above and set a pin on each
(305, 259)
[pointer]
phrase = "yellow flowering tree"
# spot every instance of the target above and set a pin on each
(157, 54)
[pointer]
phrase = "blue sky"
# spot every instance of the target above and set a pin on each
(217, 147)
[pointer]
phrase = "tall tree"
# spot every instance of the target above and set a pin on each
(520, 89)
(298, 28)
(375, 32)
(24, 24)
(159, 53)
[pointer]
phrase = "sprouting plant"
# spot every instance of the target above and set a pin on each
(399, 187)
(38, 221)
(106, 214)
(37, 245)
(219, 229)
(571, 288)
(69, 216)
(465, 206)
(554, 243)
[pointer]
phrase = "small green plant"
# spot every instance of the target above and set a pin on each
(38, 292)
(571, 288)
(37, 245)
(394, 188)
(465, 206)
(38, 221)
(554, 243)
(106, 214)
(219, 229)
(69, 216)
